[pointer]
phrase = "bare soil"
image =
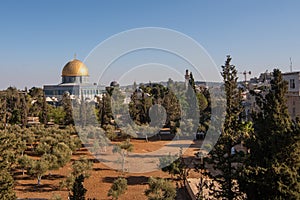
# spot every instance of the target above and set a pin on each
(101, 178)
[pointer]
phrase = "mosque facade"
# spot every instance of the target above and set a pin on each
(75, 82)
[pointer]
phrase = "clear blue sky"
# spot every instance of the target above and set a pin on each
(38, 37)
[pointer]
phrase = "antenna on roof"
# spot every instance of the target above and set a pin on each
(291, 65)
(74, 56)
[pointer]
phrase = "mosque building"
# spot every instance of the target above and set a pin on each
(75, 81)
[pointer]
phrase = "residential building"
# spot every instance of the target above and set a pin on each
(293, 94)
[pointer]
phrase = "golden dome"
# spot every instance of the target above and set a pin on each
(75, 68)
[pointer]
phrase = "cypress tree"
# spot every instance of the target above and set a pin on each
(67, 106)
(222, 158)
(24, 109)
(172, 107)
(78, 191)
(192, 111)
(44, 112)
(83, 112)
(272, 168)
(105, 111)
(3, 112)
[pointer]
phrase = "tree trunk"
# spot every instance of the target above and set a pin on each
(123, 161)
(39, 180)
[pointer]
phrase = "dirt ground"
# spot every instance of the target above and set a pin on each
(101, 178)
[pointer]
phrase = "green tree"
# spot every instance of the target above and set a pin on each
(105, 111)
(56, 197)
(171, 164)
(38, 169)
(172, 107)
(6, 186)
(36, 92)
(78, 190)
(67, 106)
(160, 189)
(82, 166)
(44, 110)
(53, 149)
(192, 110)
(110, 131)
(63, 154)
(118, 188)
(13, 104)
(37, 103)
(142, 99)
(205, 110)
(57, 114)
(175, 165)
(24, 107)
(3, 112)
(123, 149)
(24, 162)
(222, 159)
(79, 167)
(117, 98)
(82, 114)
(139, 107)
(11, 147)
(271, 170)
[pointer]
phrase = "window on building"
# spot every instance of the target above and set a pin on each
(292, 83)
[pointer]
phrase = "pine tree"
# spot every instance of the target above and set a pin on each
(272, 169)
(221, 157)
(78, 191)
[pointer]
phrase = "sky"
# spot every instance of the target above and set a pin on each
(37, 38)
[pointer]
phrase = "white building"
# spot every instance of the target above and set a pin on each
(293, 95)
